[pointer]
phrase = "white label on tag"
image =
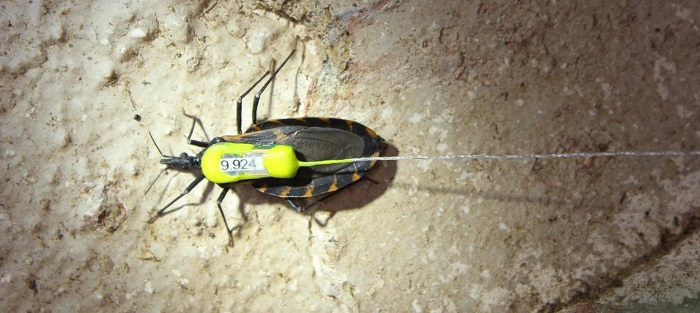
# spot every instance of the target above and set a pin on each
(235, 165)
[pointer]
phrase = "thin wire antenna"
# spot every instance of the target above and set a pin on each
(534, 156)
(510, 156)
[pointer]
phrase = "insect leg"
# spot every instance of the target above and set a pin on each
(189, 188)
(256, 100)
(229, 231)
(239, 103)
(190, 141)
(307, 206)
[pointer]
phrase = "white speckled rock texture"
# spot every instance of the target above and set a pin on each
(432, 78)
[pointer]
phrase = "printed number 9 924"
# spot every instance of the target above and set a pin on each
(239, 164)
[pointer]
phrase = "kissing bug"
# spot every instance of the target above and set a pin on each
(280, 157)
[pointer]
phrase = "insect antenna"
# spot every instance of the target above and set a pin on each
(162, 171)
(158, 148)
(182, 161)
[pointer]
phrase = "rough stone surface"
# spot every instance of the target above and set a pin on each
(433, 78)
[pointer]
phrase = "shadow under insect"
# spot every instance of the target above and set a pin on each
(369, 188)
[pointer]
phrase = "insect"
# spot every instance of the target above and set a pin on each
(279, 157)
